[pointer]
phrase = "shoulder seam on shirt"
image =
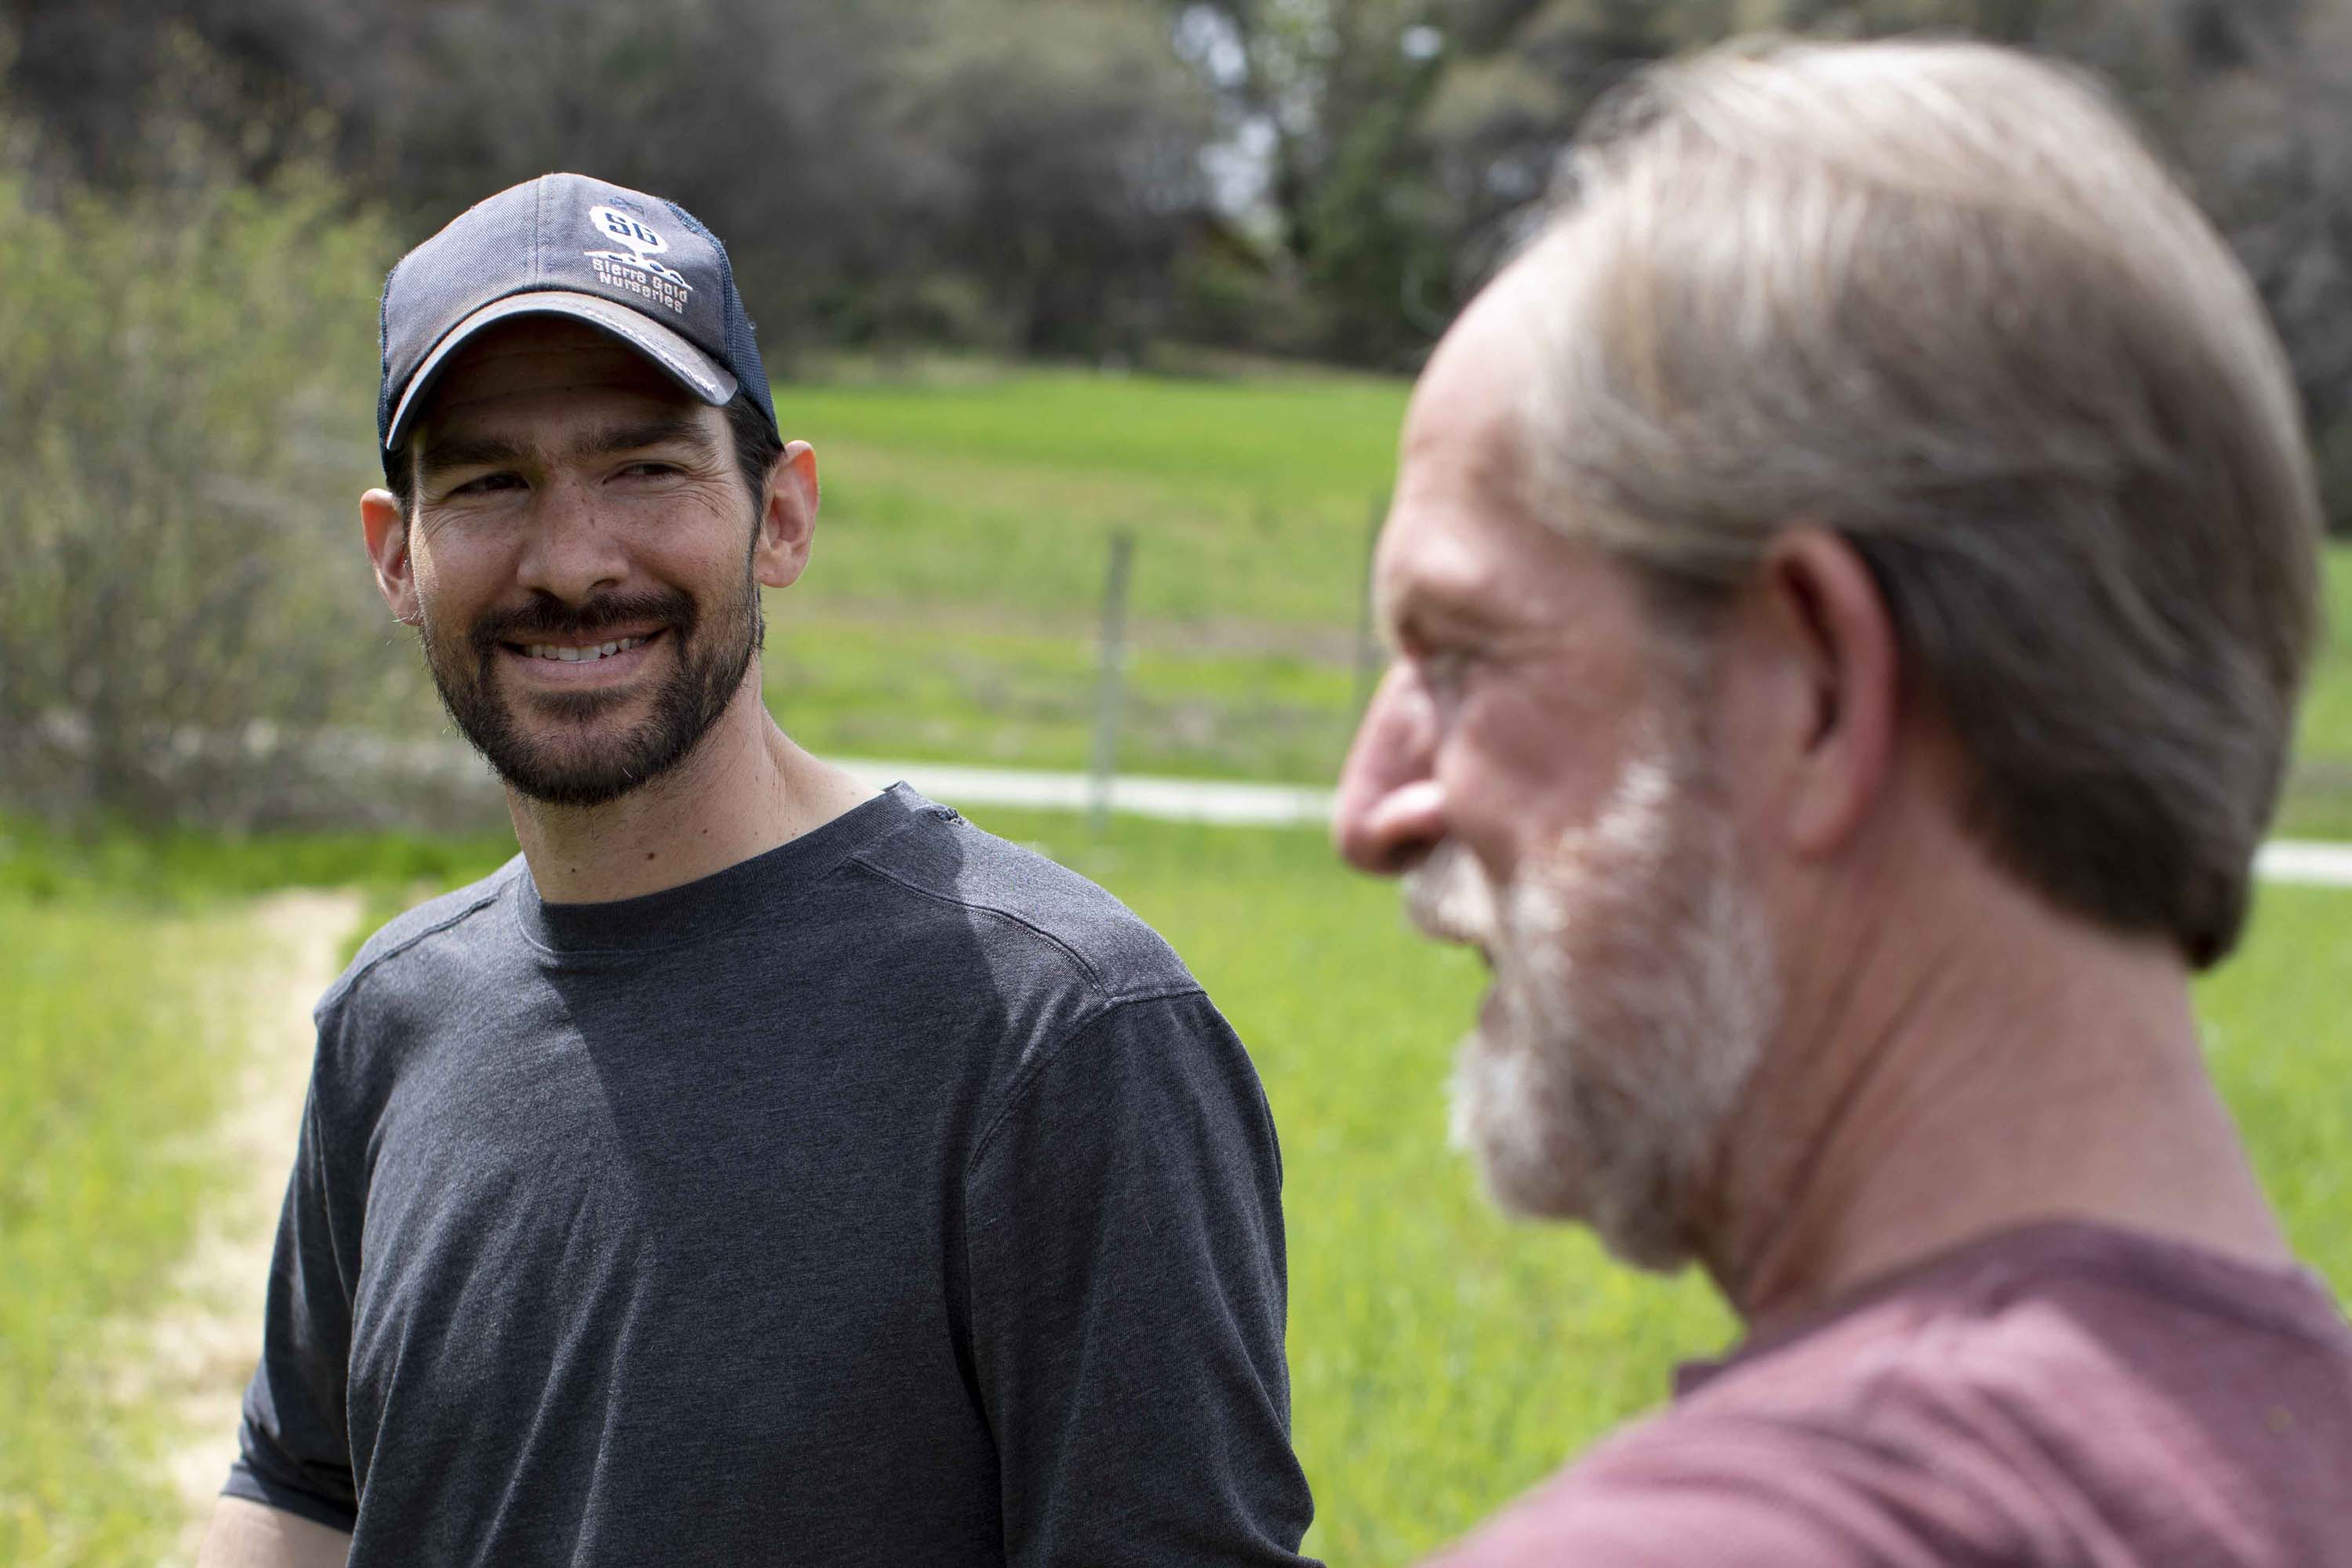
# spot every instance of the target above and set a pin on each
(1045, 1056)
(1093, 975)
(351, 982)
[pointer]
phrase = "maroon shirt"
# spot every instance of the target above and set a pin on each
(2067, 1394)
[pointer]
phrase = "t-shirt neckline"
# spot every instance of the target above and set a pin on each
(694, 910)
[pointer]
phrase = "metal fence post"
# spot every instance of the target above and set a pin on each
(1108, 683)
(1367, 642)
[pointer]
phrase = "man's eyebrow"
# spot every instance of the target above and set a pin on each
(1421, 606)
(665, 431)
(487, 451)
(464, 452)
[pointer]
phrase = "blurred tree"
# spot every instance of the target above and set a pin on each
(1329, 94)
(1064, 146)
(2250, 100)
(1009, 172)
(2264, 131)
(1525, 72)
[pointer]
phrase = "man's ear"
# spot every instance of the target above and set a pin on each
(1815, 689)
(787, 517)
(386, 532)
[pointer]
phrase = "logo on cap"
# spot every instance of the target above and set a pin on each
(635, 268)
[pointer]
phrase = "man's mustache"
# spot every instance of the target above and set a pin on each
(550, 618)
(1448, 898)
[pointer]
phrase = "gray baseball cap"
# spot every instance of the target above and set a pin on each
(633, 265)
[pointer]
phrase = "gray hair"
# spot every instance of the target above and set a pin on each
(1938, 297)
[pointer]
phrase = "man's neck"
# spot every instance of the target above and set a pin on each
(743, 790)
(2028, 1067)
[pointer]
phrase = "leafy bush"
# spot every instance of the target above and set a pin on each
(186, 371)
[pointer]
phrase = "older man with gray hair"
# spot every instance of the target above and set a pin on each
(1851, 581)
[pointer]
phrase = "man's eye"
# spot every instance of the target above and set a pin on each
(487, 483)
(648, 470)
(1444, 668)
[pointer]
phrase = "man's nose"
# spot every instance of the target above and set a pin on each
(572, 554)
(1390, 811)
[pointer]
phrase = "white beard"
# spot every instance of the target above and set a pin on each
(1634, 995)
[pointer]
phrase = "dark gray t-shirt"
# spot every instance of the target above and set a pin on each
(895, 1196)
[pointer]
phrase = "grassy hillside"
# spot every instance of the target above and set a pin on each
(1249, 497)
(952, 608)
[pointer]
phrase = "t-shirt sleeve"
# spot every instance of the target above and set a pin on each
(294, 1446)
(1125, 1248)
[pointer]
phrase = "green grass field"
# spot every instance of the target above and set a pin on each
(114, 1043)
(1442, 1361)
(2319, 798)
(1249, 500)
(952, 608)
(949, 612)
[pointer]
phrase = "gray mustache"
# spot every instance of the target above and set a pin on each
(1449, 899)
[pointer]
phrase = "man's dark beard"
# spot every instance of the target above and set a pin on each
(584, 767)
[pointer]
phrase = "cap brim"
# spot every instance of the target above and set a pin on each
(692, 369)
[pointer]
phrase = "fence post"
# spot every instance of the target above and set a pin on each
(1367, 642)
(1108, 683)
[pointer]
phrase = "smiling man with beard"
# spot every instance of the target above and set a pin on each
(1851, 579)
(757, 1169)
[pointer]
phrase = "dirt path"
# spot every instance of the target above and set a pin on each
(203, 1350)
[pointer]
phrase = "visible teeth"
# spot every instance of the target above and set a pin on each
(567, 655)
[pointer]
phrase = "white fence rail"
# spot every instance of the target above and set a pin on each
(1291, 805)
